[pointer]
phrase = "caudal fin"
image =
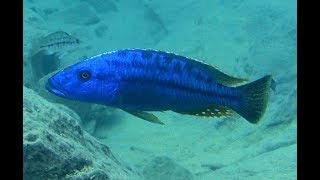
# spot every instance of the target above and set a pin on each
(254, 99)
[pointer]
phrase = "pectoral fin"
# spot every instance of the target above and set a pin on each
(145, 116)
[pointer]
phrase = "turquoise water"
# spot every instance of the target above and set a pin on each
(245, 38)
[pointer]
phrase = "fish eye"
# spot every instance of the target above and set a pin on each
(85, 75)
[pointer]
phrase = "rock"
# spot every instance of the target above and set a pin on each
(28, 77)
(100, 31)
(55, 147)
(71, 15)
(158, 29)
(103, 6)
(164, 168)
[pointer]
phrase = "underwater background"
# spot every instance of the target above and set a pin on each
(66, 139)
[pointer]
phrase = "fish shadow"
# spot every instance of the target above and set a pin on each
(104, 117)
(43, 64)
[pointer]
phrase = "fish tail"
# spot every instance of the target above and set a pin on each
(254, 99)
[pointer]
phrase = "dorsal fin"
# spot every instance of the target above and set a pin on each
(211, 111)
(219, 76)
(224, 78)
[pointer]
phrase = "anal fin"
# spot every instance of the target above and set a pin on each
(211, 111)
(145, 116)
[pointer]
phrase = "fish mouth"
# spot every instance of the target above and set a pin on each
(55, 88)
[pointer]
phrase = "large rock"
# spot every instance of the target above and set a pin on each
(55, 147)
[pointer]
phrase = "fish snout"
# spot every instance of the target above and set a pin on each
(56, 87)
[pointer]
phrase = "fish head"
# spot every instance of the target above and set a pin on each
(87, 81)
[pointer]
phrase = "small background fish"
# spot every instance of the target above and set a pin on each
(47, 52)
(59, 43)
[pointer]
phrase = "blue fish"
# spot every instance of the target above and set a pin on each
(139, 80)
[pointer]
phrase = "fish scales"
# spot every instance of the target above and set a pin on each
(154, 66)
(172, 74)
